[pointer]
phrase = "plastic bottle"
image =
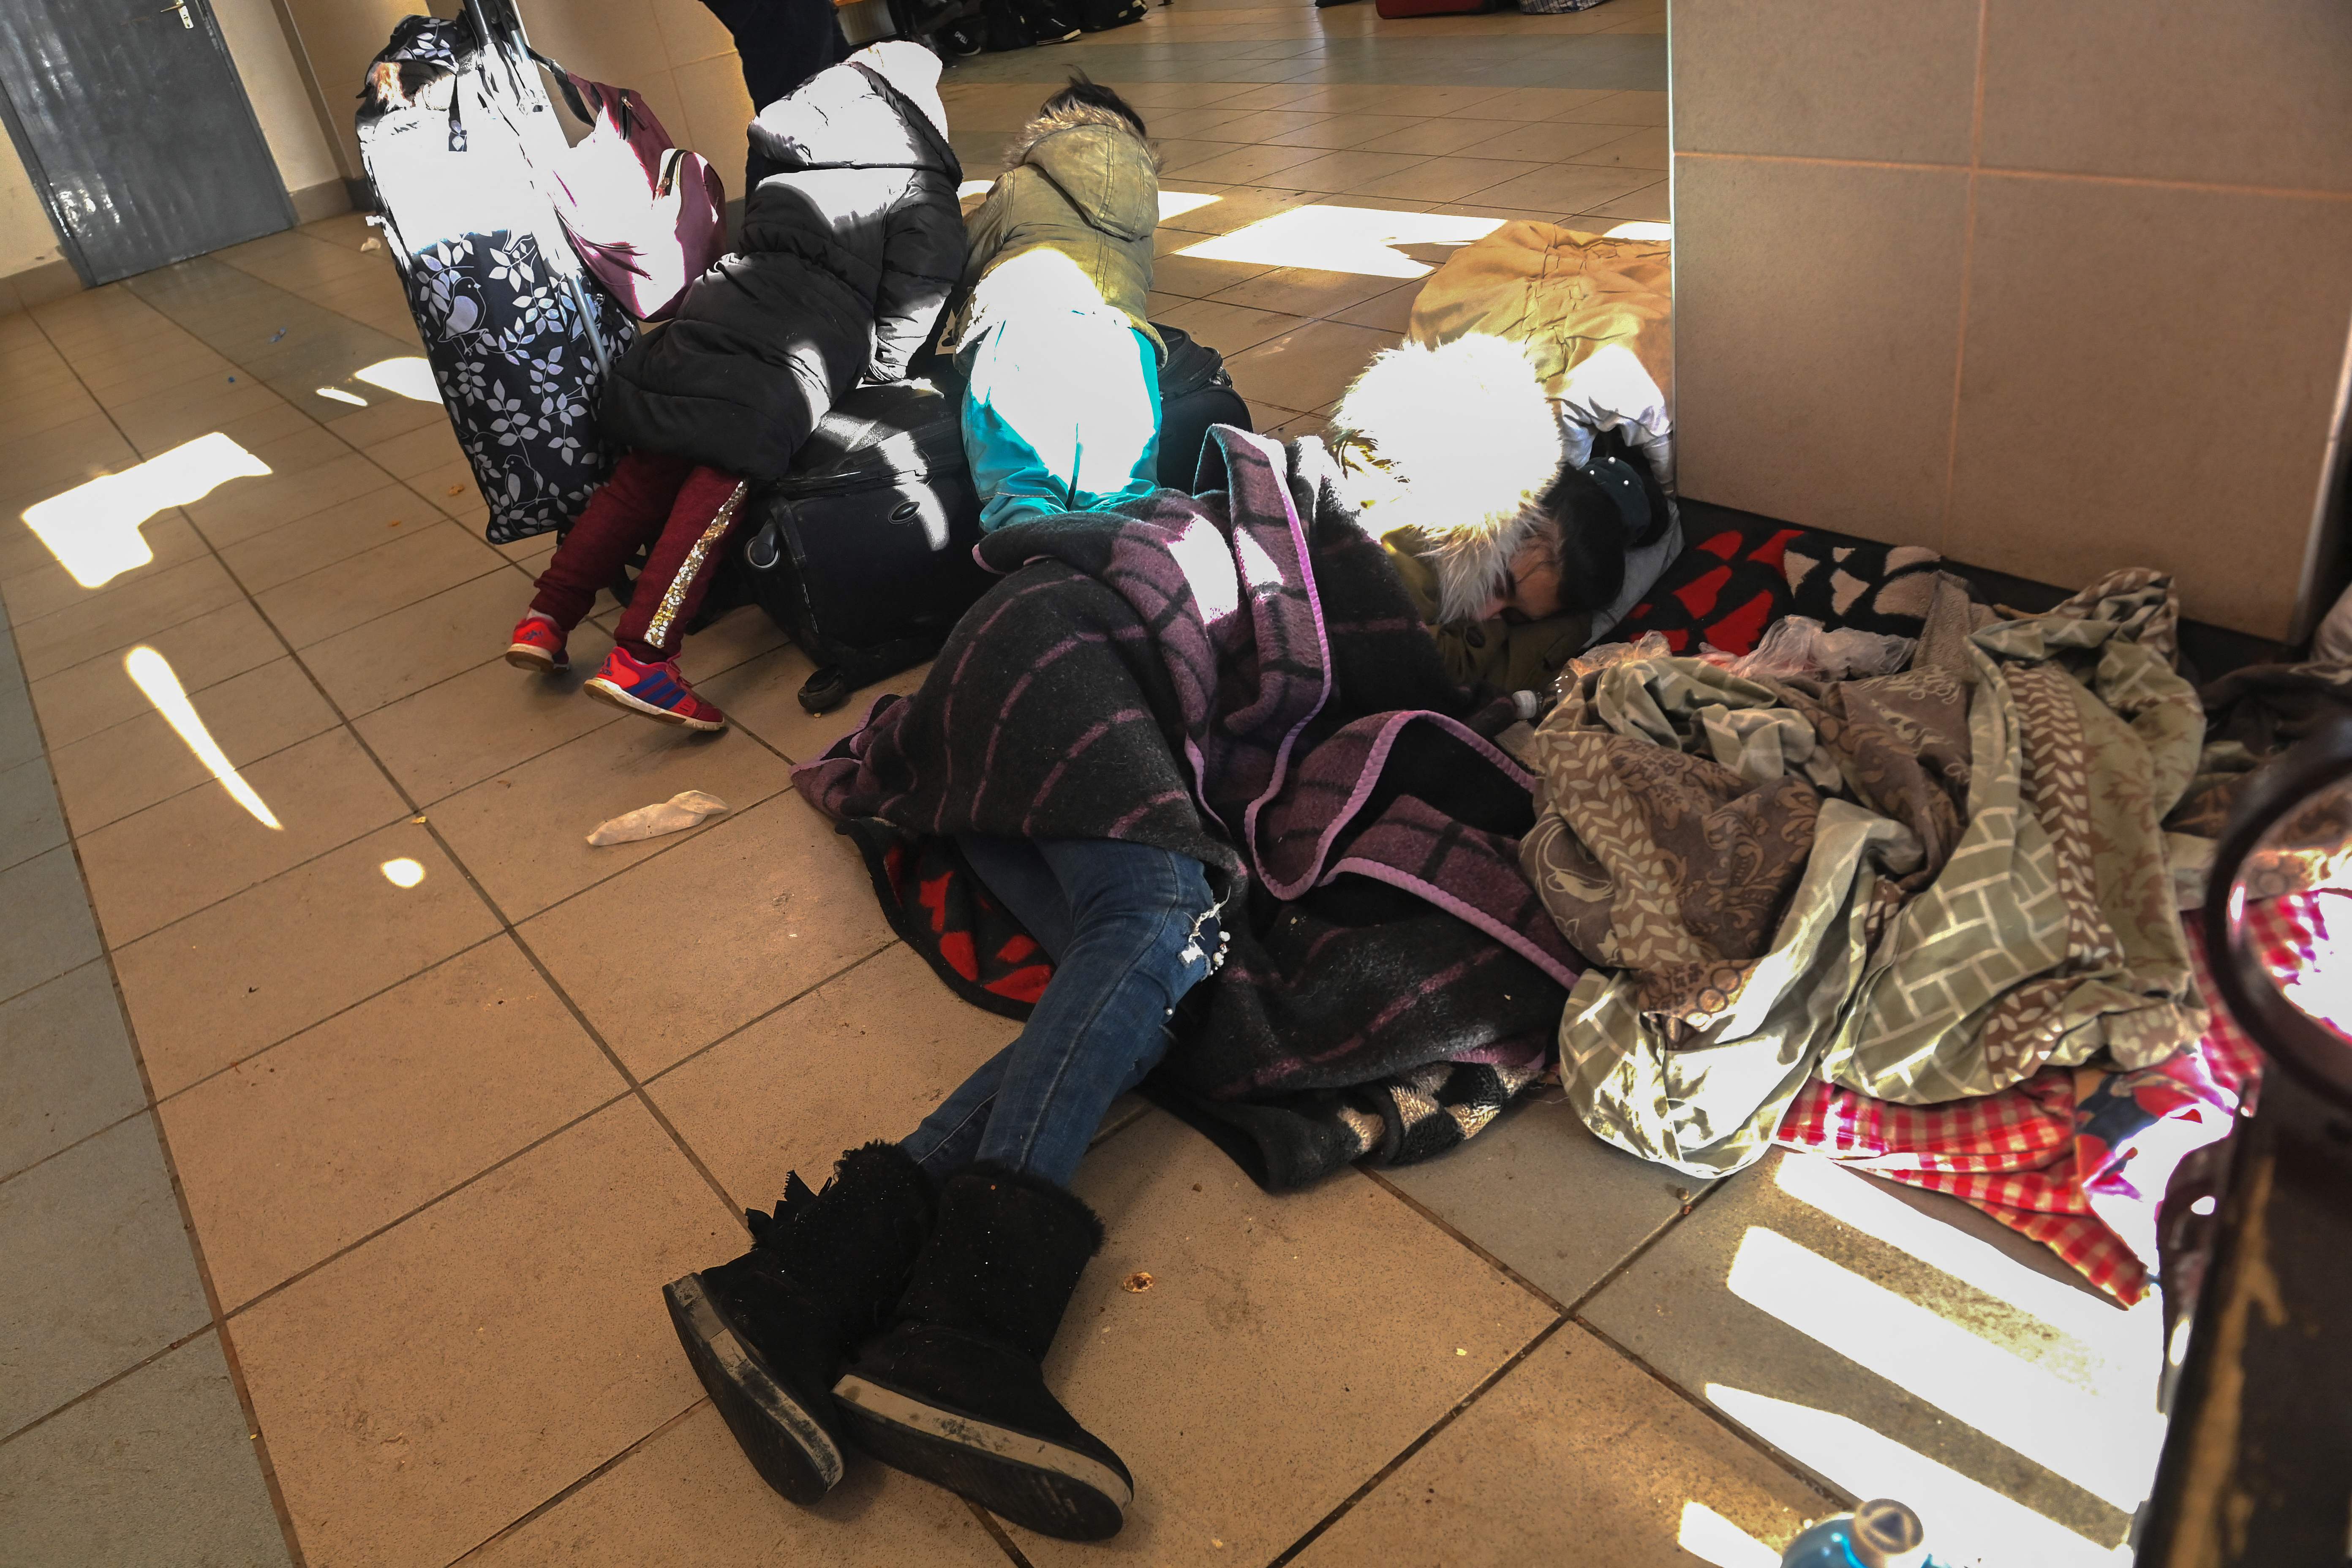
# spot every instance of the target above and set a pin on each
(1881, 1534)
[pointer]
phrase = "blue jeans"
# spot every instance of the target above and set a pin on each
(1061, 412)
(1131, 930)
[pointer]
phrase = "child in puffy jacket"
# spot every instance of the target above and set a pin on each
(848, 254)
(1061, 368)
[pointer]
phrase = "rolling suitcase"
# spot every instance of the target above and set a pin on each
(519, 337)
(863, 552)
(1195, 392)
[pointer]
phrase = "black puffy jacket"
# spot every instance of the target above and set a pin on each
(845, 259)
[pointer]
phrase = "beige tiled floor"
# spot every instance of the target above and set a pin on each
(437, 1145)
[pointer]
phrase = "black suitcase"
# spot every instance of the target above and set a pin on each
(863, 552)
(1195, 392)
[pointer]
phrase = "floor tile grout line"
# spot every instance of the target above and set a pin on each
(229, 1355)
(254, 1055)
(672, 842)
(1379, 1179)
(998, 1533)
(860, 961)
(212, 553)
(582, 1484)
(290, 1036)
(319, 1264)
(1573, 1312)
(636, 1086)
(95, 1389)
(1642, 1249)
(1788, 1463)
(1405, 1456)
(306, 299)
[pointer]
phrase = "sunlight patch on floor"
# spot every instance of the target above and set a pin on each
(1967, 1522)
(1343, 239)
(405, 376)
(2105, 1349)
(154, 676)
(93, 529)
(1711, 1537)
(403, 872)
(1176, 203)
(2107, 1447)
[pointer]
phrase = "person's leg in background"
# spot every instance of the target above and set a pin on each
(640, 675)
(782, 44)
(954, 1390)
(627, 513)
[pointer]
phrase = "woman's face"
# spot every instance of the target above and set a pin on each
(1532, 592)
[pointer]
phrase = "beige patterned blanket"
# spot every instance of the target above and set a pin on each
(1924, 886)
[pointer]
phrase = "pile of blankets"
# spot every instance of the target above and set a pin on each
(1924, 922)
(1240, 678)
(1928, 922)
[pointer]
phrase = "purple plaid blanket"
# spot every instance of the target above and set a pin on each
(1240, 677)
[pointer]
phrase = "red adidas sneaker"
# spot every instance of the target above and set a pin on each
(538, 646)
(656, 691)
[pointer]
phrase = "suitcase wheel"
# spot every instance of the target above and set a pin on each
(826, 690)
(764, 550)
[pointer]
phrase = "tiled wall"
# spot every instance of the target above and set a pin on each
(2053, 288)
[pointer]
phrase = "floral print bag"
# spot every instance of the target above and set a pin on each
(520, 336)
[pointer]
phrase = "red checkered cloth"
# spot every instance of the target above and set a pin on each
(2074, 1158)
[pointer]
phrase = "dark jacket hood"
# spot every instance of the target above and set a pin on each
(1095, 160)
(849, 117)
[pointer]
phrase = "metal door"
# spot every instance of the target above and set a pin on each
(136, 131)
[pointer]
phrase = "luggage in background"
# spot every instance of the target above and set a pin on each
(1393, 10)
(863, 552)
(646, 216)
(1102, 16)
(519, 337)
(1195, 392)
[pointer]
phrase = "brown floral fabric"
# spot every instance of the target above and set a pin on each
(1925, 887)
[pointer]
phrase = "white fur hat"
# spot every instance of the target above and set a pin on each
(1464, 438)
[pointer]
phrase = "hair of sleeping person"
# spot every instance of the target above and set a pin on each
(1083, 90)
(1589, 541)
(1611, 444)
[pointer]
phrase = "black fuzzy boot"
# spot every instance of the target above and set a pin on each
(954, 1391)
(768, 1333)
